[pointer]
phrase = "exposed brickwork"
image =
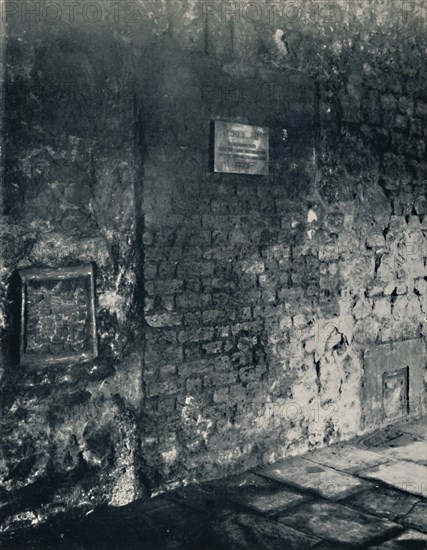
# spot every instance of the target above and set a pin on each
(262, 296)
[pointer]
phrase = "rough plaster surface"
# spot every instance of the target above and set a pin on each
(234, 313)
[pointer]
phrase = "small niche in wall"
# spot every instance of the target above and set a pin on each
(57, 315)
(396, 393)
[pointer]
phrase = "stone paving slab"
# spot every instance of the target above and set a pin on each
(416, 427)
(255, 492)
(412, 535)
(247, 490)
(254, 532)
(241, 480)
(382, 501)
(226, 487)
(338, 524)
(271, 501)
(200, 499)
(307, 475)
(392, 437)
(417, 517)
(406, 476)
(349, 458)
(409, 540)
(415, 452)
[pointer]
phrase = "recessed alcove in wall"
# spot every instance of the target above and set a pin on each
(396, 393)
(394, 382)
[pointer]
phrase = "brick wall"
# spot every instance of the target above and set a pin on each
(263, 295)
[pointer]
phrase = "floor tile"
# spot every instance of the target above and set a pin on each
(197, 498)
(415, 452)
(417, 517)
(253, 532)
(406, 476)
(255, 492)
(409, 540)
(338, 524)
(346, 457)
(242, 480)
(391, 437)
(412, 535)
(416, 427)
(269, 500)
(229, 488)
(381, 501)
(305, 474)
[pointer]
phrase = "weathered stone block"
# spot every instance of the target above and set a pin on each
(148, 238)
(188, 300)
(366, 331)
(162, 388)
(213, 316)
(388, 102)
(249, 326)
(401, 122)
(167, 371)
(421, 110)
(167, 269)
(221, 395)
(382, 308)
(387, 270)
(196, 269)
(213, 347)
(420, 205)
(163, 287)
(251, 266)
(193, 385)
(160, 320)
(166, 404)
(362, 309)
(199, 334)
(150, 271)
(406, 105)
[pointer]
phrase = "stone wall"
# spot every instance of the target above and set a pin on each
(70, 428)
(236, 315)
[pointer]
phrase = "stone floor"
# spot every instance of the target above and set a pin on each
(366, 494)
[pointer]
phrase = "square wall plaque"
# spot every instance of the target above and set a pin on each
(240, 148)
(57, 315)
